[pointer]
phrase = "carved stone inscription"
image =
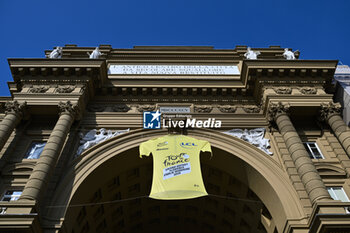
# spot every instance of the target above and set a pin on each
(174, 69)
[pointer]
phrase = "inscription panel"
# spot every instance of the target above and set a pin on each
(174, 69)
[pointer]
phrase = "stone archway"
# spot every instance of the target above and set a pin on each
(236, 161)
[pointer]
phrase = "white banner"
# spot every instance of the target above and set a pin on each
(174, 69)
(176, 170)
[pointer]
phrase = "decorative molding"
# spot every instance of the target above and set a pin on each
(15, 107)
(276, 109)
(283, 90)
(308, 90)
(329, 109)
(65, 89)
(253, 136)
(251, 108)
(227, 108)
(67, 108)
(39, 89)
(203, 108)
(146, 108)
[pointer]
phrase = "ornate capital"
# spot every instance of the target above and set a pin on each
(67, 108)
(15, 107)
(329, 109)
(277, 109)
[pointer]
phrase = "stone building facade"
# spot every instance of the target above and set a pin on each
(61, 172)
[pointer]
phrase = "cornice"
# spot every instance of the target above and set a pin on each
(291, 69)
(170, 52)
(40, 69)
(61, 62)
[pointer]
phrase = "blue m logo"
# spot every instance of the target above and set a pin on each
(151, 120)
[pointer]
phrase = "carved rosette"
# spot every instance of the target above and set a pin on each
(251, 109)
(277, 109)
(67, 108)
(203, 108)
(329, 109)
(15, 107)
(39, 89)
(227, 108)
(283, 90)
(308, 90)
(65, 89)
(146, 108)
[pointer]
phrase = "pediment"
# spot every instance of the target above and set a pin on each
(330, 170)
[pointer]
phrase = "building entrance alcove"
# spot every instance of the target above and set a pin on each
(110, 194)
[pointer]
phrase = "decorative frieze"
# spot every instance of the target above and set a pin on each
(308, 90)
(65, 89)
(251, 108)
(39, 89)
(227, 108)
(146, 108)
(283, 90)
(203, 108)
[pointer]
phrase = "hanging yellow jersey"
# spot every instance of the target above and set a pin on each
(176, 166)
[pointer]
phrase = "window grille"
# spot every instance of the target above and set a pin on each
(313, 150)
(35, 150)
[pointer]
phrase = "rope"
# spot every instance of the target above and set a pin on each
(134, 198)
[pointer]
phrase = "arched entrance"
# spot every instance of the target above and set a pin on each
(245, 184)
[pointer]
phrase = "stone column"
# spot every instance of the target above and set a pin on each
(14, 114)
(306, 169)
(330, 113)
(46, 163)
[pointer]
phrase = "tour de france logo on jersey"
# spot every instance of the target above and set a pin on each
(176, 165)
(151, 120)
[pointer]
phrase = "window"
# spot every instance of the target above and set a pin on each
(35, 150)
(11, 195)
(338, 193)
(313, 150)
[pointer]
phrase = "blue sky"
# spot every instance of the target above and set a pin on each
(319, 29)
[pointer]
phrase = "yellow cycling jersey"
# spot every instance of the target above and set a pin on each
(176, 166)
